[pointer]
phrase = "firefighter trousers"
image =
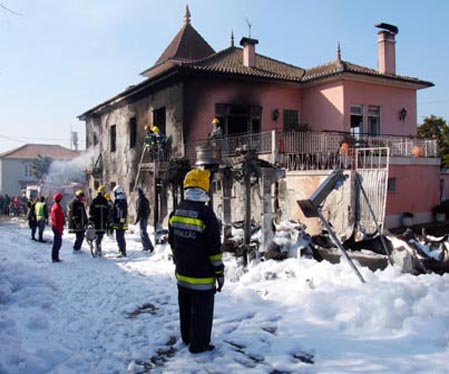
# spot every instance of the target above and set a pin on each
(196, 313)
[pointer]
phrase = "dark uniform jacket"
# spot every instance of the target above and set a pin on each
(31, 214)
(99, 213)
(77, 217)
(120, 214)
(142, 208)
(194, 237)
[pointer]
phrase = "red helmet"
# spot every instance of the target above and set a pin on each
(57, 197)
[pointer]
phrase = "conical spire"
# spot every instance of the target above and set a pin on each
(338, 52)
(232, 38)
(187, 16)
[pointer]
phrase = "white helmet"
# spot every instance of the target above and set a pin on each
(117, 190)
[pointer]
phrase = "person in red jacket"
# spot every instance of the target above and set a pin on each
(57, 225)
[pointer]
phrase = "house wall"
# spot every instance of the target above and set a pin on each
(418, 191)
(327, 106)
(444, 178)
(120, 167)
(12, 176)
(391, 100)
(201, 95)
(323, 107)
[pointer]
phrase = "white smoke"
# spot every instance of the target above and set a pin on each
(62, 172)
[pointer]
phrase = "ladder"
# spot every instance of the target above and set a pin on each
(146, 166)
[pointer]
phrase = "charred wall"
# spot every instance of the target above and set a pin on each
(120, 167)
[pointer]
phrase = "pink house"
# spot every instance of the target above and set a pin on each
(286, 112)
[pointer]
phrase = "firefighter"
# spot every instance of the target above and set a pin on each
(31, 216)
(149, 138)
(120, 219)
(77, 218)
(194, 237)
(99, 216)
(216, 129)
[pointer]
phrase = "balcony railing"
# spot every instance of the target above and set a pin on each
(322, 146)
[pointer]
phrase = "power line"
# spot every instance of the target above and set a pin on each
(25, 139)
(9, 10)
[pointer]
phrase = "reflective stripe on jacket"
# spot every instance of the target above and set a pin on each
(194, 237)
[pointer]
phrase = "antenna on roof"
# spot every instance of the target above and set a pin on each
(232, 38)
(249, 26)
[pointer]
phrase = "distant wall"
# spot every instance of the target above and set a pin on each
(12, 173)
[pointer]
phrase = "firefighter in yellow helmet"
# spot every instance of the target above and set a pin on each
(194, 237)
(217, 131)
(149, 135)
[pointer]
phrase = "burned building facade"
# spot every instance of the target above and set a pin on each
(292, 117)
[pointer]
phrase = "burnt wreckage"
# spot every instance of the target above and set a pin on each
(275, 239)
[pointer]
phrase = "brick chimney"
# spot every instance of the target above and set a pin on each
(249, 51)
(386, 52)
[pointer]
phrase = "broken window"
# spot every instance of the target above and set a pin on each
(132, 132)
(113, 138)
(239, 119)
(374, 120)
(291, 120)
(356, 120)
(159, 119)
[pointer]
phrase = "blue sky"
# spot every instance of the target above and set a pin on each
(60, 58)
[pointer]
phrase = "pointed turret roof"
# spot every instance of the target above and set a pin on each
(188, 45)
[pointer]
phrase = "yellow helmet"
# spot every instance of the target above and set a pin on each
(79, 193)
(156, 129)
(197, 178)
(101, 189)
(215, 121)
(107, 196)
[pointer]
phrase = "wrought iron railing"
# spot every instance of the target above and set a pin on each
(307, 150)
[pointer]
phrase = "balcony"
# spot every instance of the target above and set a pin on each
(315, 150)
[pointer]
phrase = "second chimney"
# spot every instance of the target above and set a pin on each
(249, 51)
(386, 52)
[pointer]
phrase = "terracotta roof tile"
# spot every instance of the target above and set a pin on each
(188, 44)
(230, 61)
(31, 151)
(338, 67)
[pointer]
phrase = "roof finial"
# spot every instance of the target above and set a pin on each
(232, 38)
(187, 16)
(338, 52)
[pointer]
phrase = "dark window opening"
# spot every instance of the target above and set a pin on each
(113, 138)
(159, 119)
(132, 132)
(391, 185)
(291, 120)
(356, 121)
(373, 120)
(239, 119)
(95, 138)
